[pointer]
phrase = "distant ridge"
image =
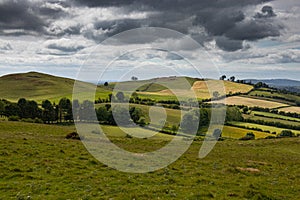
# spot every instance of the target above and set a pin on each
(35, 85)
(284, 84)
(277, 82)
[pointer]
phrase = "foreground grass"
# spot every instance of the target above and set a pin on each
(37, 162)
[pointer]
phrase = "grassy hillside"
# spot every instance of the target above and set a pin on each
(237, 100)
(38, 86)
(38, 163)
(200, 88)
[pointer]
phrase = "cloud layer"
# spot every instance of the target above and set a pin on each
(225, 20)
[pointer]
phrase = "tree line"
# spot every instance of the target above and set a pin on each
(47, 112)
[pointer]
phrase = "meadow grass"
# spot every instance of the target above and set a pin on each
(292, 109)
(263, 127)
(274, 94)
(38, 163)
(273, 115)
(237, 133)
(251, 102)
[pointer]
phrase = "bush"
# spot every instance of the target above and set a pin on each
(38, 121)
(28, 120)
(270, 137)
(286, 133)
(73, 136)
(13, 118)
(248, 136)
(217, 134)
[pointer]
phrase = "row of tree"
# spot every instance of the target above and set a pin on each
(48, 112)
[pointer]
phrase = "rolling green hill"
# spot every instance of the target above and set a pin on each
(38, 86)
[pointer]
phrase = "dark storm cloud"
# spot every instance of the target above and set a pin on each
(267, 11)
(223, 20)
(25, 16)
(253, 30)
(18, 15)
(227, 44)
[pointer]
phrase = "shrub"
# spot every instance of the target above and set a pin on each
(29, 120)
(13, 118)
(286, 133)
(270, 137)
(217, 134)
(73, 136)
(38, 120)
(248, 136)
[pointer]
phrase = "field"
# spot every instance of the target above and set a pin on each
(201, 89)
(251, 102)
(237, 133)
(270, 94)
(263, 127)
(38, 163)
(272, 115)
(291, 109)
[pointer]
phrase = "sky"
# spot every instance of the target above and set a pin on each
(243, 38)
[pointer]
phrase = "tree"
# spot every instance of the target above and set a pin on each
(75, 110)
(65, 109)
(106, 84)
(111, 97)
(174, 129)
(286, 133)
(190, 122)
(232, 78)
(33, 110)
(233, 114)
(223, 77)
(121, 115)
(102, 114)
(120, 96)
(216, 94)
(22, 108)
(217, 134)
(12, 109)
(49, 113)
(135, 114)
(134, 78)
(2, 108)
(248, 136)
(86, 110)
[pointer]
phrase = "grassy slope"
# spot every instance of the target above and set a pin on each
(263, 127)
(37, 161)
(292, 109)
(201, 89)
(36, 86)
(237, 100)
(275, 116)
(267, 93)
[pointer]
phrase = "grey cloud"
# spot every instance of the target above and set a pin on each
(18, 15)
(222, 20)
(65, 45)
(228, 44)
(254, 29)
(267, 11)
(65, 48)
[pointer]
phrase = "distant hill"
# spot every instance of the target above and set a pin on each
(36, 86)
(290, 85)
